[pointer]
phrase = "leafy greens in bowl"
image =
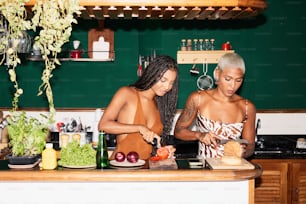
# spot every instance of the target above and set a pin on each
(75, 155)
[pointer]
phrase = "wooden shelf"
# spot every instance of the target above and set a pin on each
(168, 9)
(87, 57)
(200, 57)
(74, 59)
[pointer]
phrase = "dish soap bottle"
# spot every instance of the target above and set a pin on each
(49, 160)
(102, 160)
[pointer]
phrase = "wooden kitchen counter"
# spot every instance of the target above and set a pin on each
(182, 185)
(109, 175)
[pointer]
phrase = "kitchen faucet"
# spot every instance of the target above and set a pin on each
(260, 141)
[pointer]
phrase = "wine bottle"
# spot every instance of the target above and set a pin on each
(102, 154)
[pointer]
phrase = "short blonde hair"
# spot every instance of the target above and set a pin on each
(231, 60)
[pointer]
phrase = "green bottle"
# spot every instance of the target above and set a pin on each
(102, 154)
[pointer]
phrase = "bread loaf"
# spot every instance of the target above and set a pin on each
(232, 148)
(232, 153)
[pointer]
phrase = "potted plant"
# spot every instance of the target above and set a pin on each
(52, 20)
(27, 137)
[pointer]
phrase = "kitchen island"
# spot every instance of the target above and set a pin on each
(182, 185)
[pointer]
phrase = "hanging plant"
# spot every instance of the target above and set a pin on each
(53, 20)
(13, 25)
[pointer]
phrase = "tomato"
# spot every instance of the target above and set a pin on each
(163, 152)
(155, 158)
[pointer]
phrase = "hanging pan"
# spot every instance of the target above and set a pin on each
(205, 81)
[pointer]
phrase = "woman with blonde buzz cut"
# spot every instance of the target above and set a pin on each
(220, 113)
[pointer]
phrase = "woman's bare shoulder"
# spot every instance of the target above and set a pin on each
(197, 94)
(251, 106)
(193, 96)
(124, 93)
(244, 101)
(126, 90)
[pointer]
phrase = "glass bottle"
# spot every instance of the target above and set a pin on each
(49, 160)
(102, 160)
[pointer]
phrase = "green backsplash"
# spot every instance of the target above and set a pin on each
(273, 46)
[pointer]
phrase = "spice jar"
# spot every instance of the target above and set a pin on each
(183, 45)
(189, 44)
(195, 44)
(201, 44)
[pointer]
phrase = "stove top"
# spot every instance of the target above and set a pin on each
(281, 146)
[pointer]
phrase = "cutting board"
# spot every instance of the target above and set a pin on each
(163, 164)
(216, 163)
(94, 35)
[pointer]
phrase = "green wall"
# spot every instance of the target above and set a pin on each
(273, 46)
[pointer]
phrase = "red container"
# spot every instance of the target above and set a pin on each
(226, 46)
(75, 54)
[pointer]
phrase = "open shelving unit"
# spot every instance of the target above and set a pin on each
(200, 56)
(81, 59)
(74, 59)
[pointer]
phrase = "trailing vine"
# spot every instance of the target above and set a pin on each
(53, 20)
(15, 14)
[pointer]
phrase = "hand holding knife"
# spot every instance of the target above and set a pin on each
(156, 145)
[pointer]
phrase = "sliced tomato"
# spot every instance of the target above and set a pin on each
(163, 152)
(155, 158)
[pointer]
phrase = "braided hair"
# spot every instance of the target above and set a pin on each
(166, 104)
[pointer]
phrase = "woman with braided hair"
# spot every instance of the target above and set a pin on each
(144, 110)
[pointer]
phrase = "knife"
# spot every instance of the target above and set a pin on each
(224, 141)
(156, 145)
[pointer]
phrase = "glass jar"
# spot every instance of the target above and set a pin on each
(207, 44)
(212, 44)
(183, 45)
(189, 44)
(195, 44)
(201, 44)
